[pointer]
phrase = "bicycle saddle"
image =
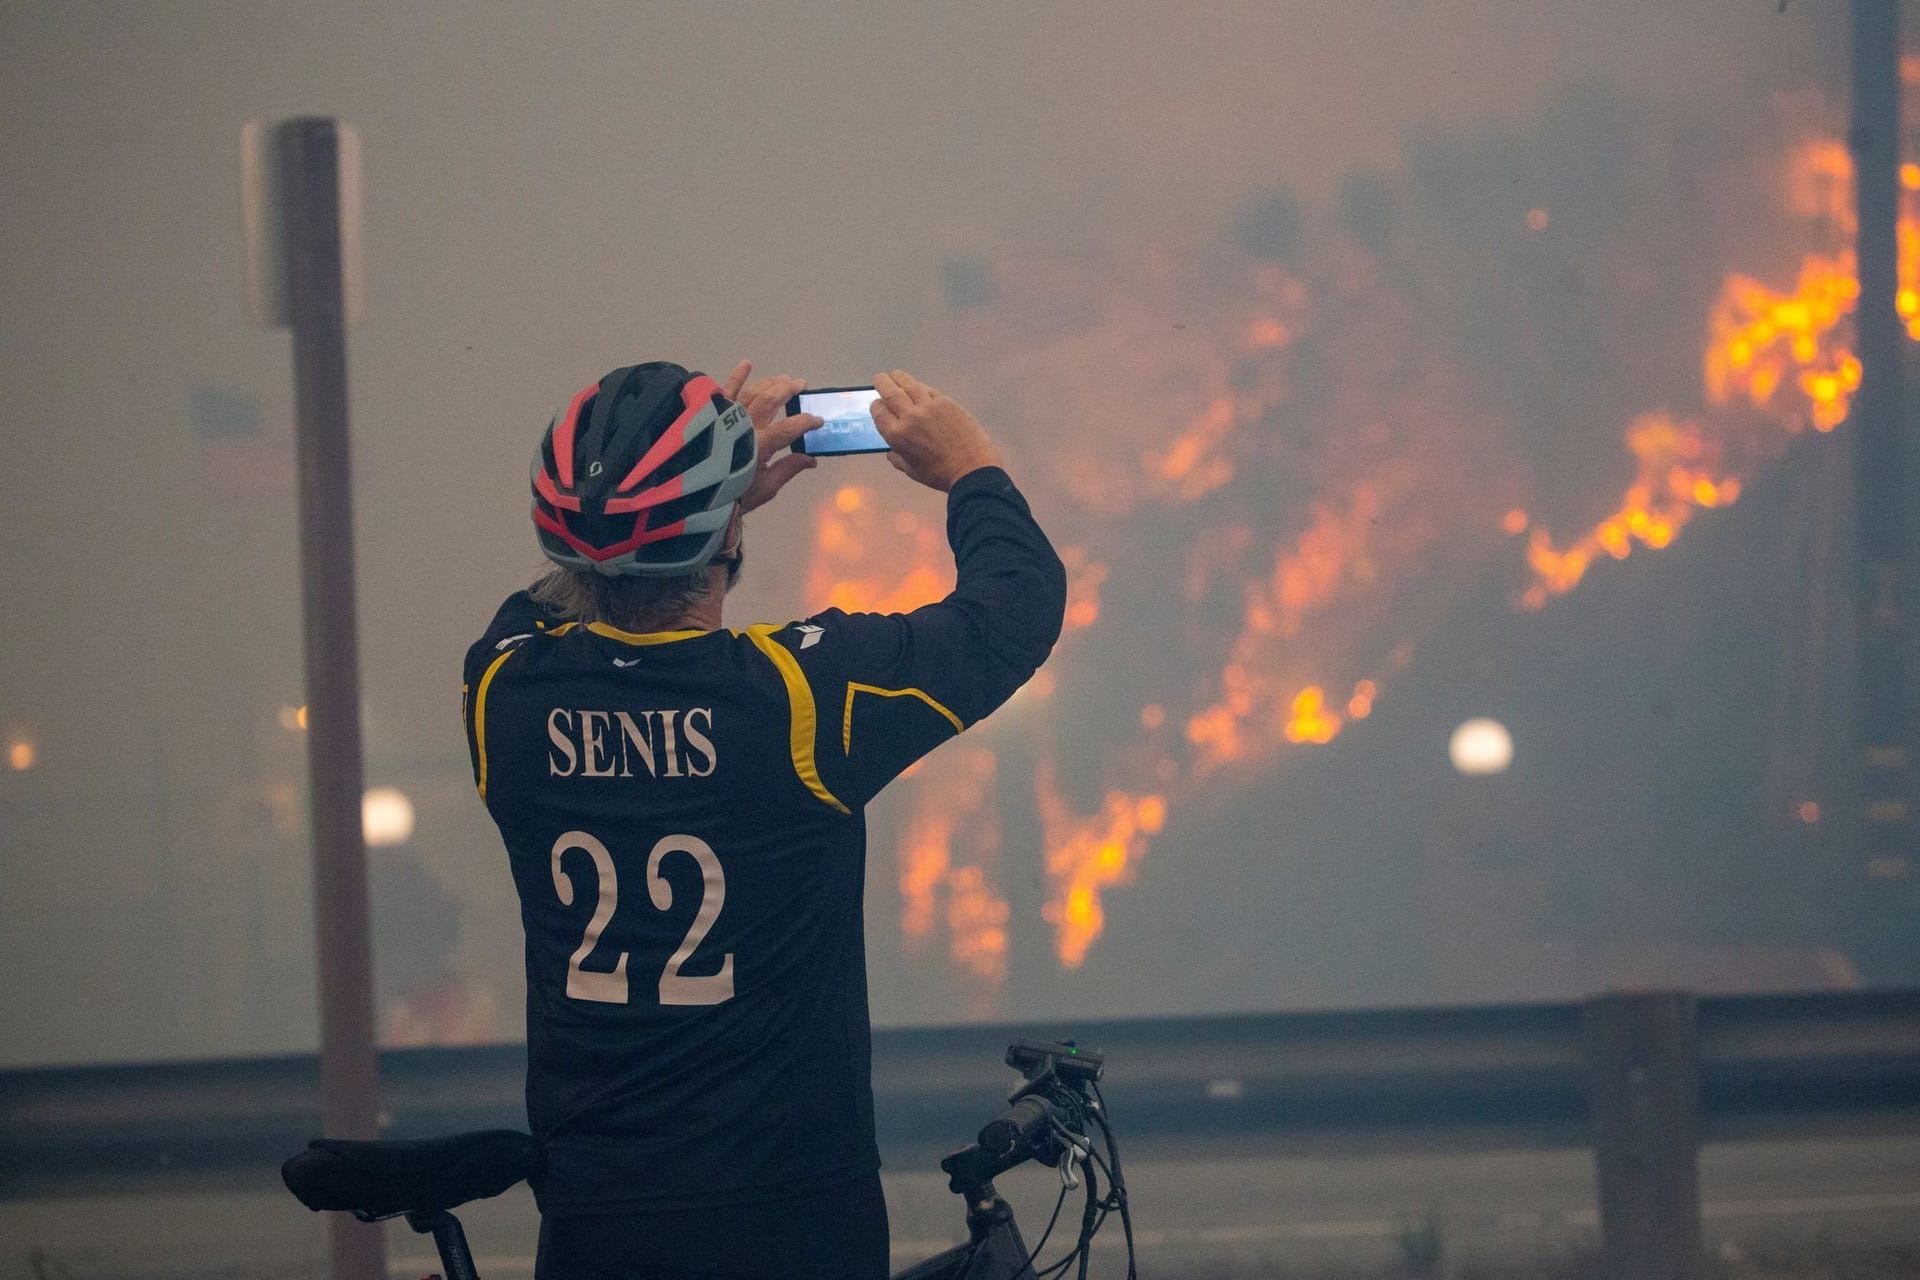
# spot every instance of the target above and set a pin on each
(428, 1175)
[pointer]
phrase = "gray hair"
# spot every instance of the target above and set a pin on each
(630, 602)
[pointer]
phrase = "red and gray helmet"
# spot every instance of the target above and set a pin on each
(638, 473)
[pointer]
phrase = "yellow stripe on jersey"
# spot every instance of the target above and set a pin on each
(802, 724)
(846, 724)
(639, 637)
(480, 720)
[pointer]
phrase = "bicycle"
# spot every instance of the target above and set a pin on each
(1047, 1120)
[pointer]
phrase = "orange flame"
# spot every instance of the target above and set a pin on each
(1360, 705)
(977, 923)
(870, 559)
(1762, 341)
(1678, 471)
(1258, 708)
(1785, 359)
(1192, 463)
(955, 798)
(1085, 855)
(1311, 720)
(1084, 579)
(1172, 402)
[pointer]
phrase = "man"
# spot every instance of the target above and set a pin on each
(682, 806)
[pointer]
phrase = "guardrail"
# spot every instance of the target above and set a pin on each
(1642, 1078)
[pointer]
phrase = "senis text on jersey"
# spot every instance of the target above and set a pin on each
(606, 744)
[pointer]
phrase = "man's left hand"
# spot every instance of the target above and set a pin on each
(774, 430)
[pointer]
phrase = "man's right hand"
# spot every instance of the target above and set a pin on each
(934, 439)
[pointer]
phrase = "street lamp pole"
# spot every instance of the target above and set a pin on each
(306, 156)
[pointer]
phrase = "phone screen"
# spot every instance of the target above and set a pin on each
(846, 421)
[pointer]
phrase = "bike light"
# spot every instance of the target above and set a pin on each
(1032, 1059)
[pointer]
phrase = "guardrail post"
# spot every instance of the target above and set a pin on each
(1643, 1079)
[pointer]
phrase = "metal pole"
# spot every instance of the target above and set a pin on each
(309, 154)
(1877, 424)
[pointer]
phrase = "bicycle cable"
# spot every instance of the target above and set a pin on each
(1098, 1206)
(1119, 1191)
(1071, 1132)
(1058, 1201)
(1088, 1225)
(1077, 1146)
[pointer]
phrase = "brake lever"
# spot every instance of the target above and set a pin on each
(1078, 1149)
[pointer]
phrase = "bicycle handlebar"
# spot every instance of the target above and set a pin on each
(1057, 1078)
(1025, 1131)
(1020, 1126)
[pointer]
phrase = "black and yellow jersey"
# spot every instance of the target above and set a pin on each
(683, 814)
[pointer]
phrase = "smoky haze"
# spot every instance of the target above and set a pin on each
(551, 191)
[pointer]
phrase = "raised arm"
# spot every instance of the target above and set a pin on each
(891, 687)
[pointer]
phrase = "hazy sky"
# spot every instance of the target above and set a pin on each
(552, 190)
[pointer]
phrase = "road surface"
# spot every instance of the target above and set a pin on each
(1197, 1211)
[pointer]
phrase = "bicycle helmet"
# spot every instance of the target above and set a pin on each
(639, 472)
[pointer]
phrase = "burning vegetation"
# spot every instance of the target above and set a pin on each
(1276, 459)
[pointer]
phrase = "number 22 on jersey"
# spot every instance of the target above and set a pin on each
(675, 987)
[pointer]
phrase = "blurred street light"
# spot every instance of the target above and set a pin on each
(386, 817)
(1481, 746)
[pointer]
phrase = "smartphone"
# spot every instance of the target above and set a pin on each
(846, 424)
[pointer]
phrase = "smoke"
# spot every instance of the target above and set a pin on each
(1277, 460)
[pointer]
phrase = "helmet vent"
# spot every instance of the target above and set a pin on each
(684, 459)
(610, 515)
(687, 504)
(685, 547)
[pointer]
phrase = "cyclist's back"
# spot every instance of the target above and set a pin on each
(683, 812)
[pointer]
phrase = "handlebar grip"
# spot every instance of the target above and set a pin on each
(1018, 1127)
